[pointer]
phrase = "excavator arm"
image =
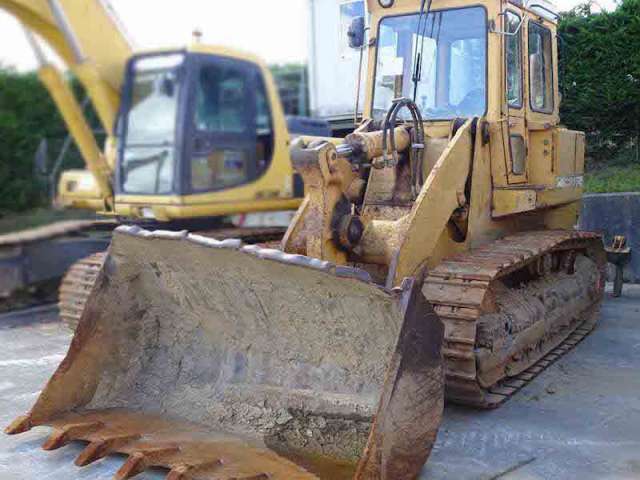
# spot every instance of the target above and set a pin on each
(88, 38)
(97, 60)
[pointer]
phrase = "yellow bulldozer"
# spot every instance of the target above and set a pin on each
(434, 256)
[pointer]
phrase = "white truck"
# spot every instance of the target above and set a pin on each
(333, 65)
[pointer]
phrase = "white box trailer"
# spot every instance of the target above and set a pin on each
(333, 65)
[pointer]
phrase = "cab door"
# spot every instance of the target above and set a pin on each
(542, 103)
(515, 132)
(221, 148)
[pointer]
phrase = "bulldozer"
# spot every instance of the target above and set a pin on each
(194, 135)
(434, 257)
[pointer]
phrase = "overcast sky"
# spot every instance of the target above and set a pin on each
(274, 29)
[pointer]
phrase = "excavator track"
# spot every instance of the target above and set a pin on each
(76, 287)
(463, 292)
(81, 276)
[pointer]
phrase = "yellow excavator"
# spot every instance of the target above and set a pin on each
(193, 135)
(434, 256)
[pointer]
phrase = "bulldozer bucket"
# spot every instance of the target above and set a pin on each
(217, 360)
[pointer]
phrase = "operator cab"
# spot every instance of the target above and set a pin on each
(192, 123)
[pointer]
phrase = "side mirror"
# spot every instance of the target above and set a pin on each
(356, 32)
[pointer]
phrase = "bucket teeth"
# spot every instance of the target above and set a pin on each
(19, 425)
(103, 447)
(151, 442)
(135, 464)
(61, 436)
(142, 459)
(262, 476)
(181, 472)
(187, 471)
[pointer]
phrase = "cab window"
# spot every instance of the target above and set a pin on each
(443, 63)
(540, 68)
(514, 59)
(148, 127)
(220, 106)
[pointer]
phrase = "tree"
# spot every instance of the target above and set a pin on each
(600, 77)
(27, 115)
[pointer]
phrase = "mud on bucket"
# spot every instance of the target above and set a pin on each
(216, 360)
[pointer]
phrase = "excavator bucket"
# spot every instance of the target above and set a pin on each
(217, 360)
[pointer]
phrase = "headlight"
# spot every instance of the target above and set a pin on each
(385, 3)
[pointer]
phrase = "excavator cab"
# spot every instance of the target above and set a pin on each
(197, 127)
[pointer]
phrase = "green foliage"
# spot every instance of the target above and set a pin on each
(600, 77)
(614, 179)
(27, 115)
(39, 217)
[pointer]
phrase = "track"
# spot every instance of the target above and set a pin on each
(76, 287)
(80, 278)
(463, 289)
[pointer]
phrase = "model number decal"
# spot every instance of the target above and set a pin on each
(570, 181)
